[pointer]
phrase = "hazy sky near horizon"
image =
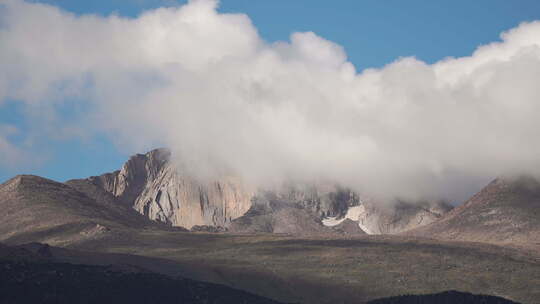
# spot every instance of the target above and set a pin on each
(289, 84)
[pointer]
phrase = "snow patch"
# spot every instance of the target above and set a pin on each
(355, 214)
(332, 221)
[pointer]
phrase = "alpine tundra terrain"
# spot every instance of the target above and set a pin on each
(290, 243)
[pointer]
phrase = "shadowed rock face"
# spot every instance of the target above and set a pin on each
(270, 214)
(349, 227)
(505, 211)
(302, 210)
(162, 191)
(295, 209)
(321, 199)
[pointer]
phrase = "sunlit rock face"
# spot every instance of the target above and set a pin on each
(157, 188)
(181, 200)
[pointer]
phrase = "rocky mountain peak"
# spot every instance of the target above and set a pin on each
(128, 182)
(20, 183)
(156, 187)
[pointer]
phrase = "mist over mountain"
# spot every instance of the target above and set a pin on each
(287, 174)
(292, 244)
(205, 84)
(157, 187)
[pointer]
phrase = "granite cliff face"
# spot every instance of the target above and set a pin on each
(157, 188)
(128, 183)
(181, 200)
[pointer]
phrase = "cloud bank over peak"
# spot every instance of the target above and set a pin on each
(205, 84)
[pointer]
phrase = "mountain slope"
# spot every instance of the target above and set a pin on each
(315, 269)
(37, 207)
(505, 211)
(29, 277)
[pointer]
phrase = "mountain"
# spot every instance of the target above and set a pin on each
(507, 210)
(37, 277)
(157, 188)
(323, 267)
(164, 191)
(35, 207)
(151, 192)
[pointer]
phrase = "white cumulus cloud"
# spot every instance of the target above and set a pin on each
(208, 86)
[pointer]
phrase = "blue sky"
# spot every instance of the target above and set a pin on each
(373, 33)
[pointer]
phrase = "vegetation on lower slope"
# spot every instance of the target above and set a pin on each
(337, 270)
(26, 278)
(314, 269)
